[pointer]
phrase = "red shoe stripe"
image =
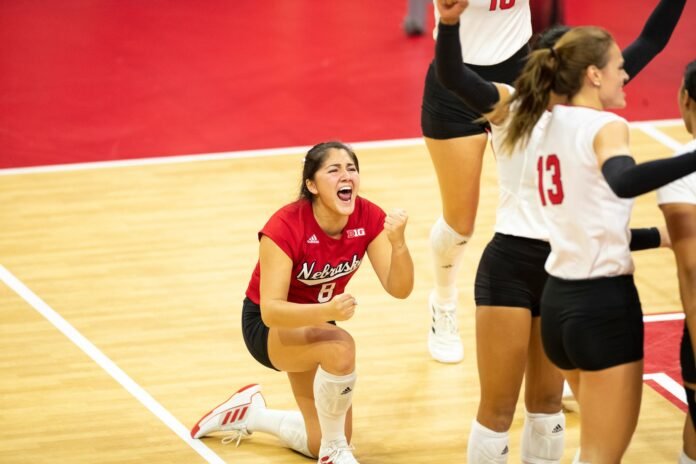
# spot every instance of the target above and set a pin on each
(241, 416)
(234, 416)
(227, 416)
(197, 427)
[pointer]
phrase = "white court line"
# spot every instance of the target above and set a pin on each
(647, 126)
(669, 384)
(663, 317)
(660, 136)
(108, 365)
(288, 151)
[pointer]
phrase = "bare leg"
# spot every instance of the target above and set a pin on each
(609, 402)
(458, 165)
(300, 352)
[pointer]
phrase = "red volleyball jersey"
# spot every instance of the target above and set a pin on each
(322, 266)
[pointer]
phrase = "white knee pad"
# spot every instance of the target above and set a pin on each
(333, 394)
(447, 248)
(542, 438)
(445, 241)
(487, 446)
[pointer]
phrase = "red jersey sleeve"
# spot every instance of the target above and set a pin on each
(282, 228)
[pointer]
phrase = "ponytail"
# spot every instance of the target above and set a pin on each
(559, 69)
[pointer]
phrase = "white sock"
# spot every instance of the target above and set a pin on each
(447, 247)
(576, 458)
(542, 438)
(684, 459)
(333, 395)
(288, 426)
(486, 446)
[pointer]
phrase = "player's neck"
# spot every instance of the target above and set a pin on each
(331, 222)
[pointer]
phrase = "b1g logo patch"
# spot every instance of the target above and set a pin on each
(352, 233)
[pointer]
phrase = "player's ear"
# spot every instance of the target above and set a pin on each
(311, 186)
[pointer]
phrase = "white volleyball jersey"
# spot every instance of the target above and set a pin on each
(681, 190)
(588, 224)
(519, 209)
(491, 31)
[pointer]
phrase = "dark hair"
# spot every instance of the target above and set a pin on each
(314, 159)
(548, 37)
(559, 69)
(690, 79)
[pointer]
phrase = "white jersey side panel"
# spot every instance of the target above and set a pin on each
(491, 31)
(519, 207)
(588, 224)
(681, 190)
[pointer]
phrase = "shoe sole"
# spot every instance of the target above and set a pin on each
(196, 428)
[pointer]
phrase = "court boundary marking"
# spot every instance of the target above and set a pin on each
(648, 127)
(138, 392)
(103, 361)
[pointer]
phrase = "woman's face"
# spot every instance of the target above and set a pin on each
(611, 79)
(336, 182)
(683, 100)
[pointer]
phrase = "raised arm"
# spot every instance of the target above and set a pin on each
(390, 256)
(654, 36)
(478, 93)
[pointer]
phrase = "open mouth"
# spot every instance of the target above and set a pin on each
(345, 193)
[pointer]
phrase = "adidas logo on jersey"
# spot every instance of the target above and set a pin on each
(346, 391)
(313, 239)
(557, 428)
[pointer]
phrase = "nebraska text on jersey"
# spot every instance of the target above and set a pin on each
(308, 277)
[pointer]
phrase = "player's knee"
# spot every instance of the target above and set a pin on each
(543, 437)
(445, 239)
(498, 413)
(338, 352)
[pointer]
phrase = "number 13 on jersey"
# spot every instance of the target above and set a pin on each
(549, 180)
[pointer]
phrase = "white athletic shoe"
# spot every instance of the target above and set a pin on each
(232, 415)
(336, 452)
(444, 342)
(569, 402)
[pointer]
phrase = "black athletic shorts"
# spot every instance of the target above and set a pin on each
(688, 371)
(691, 402)
(445, 116)
(255, 332)
(591, 324)
(688, 363)
(511, 273)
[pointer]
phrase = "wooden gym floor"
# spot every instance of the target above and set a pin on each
(120, 300)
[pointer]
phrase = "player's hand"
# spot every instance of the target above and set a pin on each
(342, 307)
(450, 10)
(395, 226)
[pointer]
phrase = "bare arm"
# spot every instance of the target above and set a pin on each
(276, 310)
(390, 256)
(681, 223)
